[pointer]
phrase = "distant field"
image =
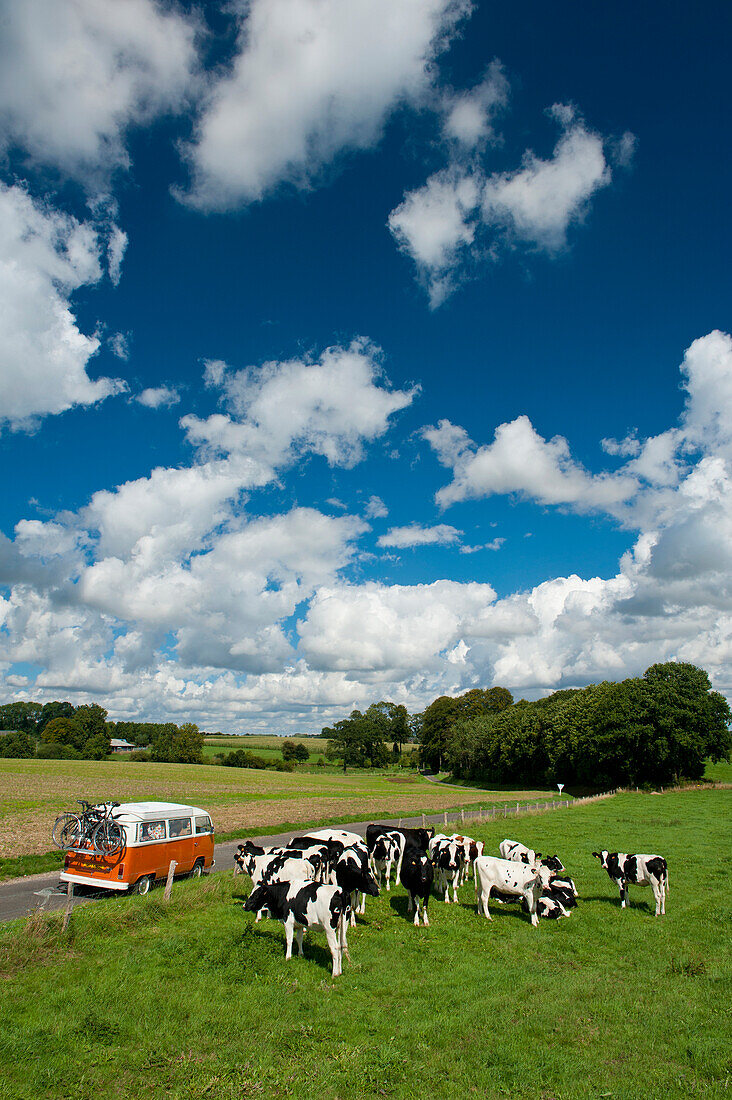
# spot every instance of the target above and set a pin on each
(608, 1003)
(33, 792)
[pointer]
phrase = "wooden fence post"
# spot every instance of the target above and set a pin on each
(462, 817)
(69, 906)
(424, 822)
(400, 823)
(444, 817)
(169, 883)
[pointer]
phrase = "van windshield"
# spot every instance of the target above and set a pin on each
(203, 825)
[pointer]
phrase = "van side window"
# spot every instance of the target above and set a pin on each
(179, 826)
(151, 830)
(203, 825)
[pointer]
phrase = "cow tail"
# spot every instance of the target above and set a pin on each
(666, 878)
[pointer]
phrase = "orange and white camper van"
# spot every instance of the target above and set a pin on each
(155, 834)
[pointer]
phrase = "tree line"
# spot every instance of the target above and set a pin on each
(658, 728)
(60, 731)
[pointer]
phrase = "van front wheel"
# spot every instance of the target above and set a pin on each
(142, 886)
(197, 870)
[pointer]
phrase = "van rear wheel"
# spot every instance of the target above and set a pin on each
(142, 886)
(197, 869)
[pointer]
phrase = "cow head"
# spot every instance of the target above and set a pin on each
(603, 857)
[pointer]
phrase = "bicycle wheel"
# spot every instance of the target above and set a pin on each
(67, 831)
(108, 837)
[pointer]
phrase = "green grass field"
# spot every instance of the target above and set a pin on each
(194, 1000)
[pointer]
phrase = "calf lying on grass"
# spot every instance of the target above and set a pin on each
(638, 870)
(313, 906)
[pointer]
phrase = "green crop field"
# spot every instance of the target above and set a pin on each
(193, 1000)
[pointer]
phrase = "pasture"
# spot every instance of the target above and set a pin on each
(193, 1000)
(33, 792)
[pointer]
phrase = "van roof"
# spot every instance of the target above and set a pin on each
(144, 811)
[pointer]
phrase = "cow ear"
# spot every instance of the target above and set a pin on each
(597, 855)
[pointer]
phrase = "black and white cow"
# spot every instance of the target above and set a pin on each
(316, 855)
(306, 906)
(508, 877)
(551, 908)
(471, 850)
(447, 859)
(385, 854)
(517, 853)
(353, 874)
(563, 890)
(332, 849)
(637, 870)
(416, 876)
(415, 838)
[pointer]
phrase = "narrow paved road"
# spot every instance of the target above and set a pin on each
(21, 896)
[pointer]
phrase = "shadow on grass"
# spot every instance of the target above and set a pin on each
(646, 906)
(275, 940)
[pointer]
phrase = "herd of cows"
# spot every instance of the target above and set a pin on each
(320, 881)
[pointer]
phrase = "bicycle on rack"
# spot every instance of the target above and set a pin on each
(92, 827)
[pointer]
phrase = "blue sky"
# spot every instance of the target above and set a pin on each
(356, 349)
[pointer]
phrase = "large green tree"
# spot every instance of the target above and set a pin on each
(358, 740)
(178, 745)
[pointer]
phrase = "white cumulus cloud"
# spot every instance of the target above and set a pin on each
(44, 357)
(311, 79)
(75, 75)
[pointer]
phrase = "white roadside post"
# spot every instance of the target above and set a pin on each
(561, 786)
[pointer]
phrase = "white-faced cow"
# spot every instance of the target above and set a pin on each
(507, 877)
(313, 906)
(416, 877)
(637, 870)
(385, 854)
(447, 859)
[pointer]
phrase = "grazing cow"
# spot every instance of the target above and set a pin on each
(417, 874)
(352, 874)
(266, 869)
(508, 877)
(551, 908)
(416, 838)
(637, 870)
(447, 859)
(386, 852)
(302, 905)
(518, 853)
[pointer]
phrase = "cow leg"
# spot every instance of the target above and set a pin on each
(416, 911)
(425, 918)
(485, 896)
(300, 932)
(410, 904)
(333, 939)
(289, 931)
(342, 937)
(623, 893)
(657, 888)
(362, 906)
